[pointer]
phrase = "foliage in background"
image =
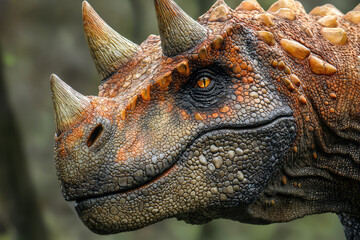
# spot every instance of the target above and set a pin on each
(44, 36)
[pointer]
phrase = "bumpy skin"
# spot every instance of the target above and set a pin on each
(271, 139)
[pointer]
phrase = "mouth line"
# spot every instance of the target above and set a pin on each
(174, 165)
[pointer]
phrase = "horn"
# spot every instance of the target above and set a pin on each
(69, 105)
(178, 31)
(109, 49)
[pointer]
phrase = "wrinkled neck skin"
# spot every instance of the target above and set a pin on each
(243, 148)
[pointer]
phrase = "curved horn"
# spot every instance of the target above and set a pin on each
(178, 31)
(109, 50)
(69, 105)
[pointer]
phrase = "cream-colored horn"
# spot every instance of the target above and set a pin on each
(109, 49)
(69, 105)
(178, 31)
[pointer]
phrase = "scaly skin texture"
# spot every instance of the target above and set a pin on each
(273, 137)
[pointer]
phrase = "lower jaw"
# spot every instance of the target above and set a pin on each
(103, 216)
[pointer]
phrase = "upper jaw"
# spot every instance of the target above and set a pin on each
(115, 178)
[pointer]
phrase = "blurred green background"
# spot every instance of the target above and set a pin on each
(39, 37)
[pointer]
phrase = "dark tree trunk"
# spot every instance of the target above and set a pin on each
(16, 190)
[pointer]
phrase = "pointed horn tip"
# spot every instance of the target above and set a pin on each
(85, 6)
(68, 103)
(88, 11)
(53, 77)
(53, 80)
(58, 85)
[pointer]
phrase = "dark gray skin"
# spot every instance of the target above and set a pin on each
(213, 124)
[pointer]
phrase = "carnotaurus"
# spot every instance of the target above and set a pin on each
(244, 114)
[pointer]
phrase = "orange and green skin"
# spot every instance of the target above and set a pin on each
(149, 165)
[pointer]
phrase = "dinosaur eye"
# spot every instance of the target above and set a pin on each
(95, 134)
(203, 82)
(205, 89)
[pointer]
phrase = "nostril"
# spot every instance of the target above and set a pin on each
(95, 134)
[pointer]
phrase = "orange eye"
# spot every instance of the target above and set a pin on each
(203, 82)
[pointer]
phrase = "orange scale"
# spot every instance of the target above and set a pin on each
(169, 61)
(243, 73)
(236, 69)
(244, 66)
(295, 149)
(113, 94)
(240, 99)
(195, 57)
(105, 85)
(215, 115)
(224, 109)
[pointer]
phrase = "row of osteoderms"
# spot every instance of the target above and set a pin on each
(178, 33)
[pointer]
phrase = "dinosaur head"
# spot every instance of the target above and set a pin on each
(191, 124)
